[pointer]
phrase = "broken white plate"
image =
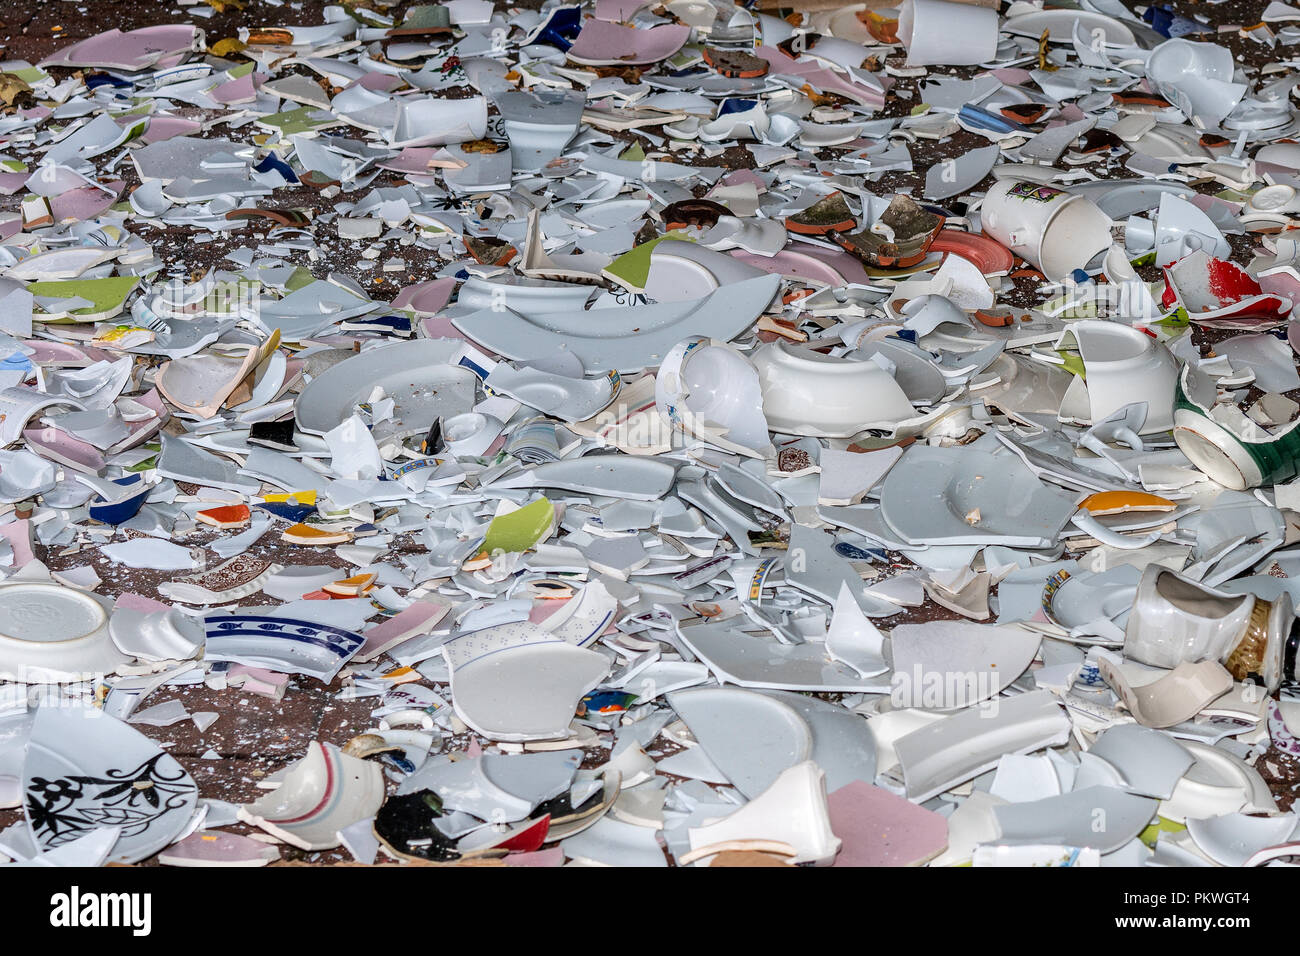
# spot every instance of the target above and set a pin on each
(807, 393)
(416, 375)
(1231, 839)
(955, 749)
(762, 663)
(517, 682)
(751, 737)
(625, 340)
(619, 476)
(54, 634)
(155, 635)
(85, 770)
(1070, 819)
(964, 495)
(568, 399)
(321, 794)
(947, 664)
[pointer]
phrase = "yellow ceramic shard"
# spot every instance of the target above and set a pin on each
(357, 584)
(306, 534)
(520, 530)
(293, 497)
(226, 47)
(1119, 502)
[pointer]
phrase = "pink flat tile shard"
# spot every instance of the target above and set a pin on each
(131, 601)
(19, 535)
(880, 829)
(165, 127)
(552, 856)
(86, 202)
(241, 90)
(604, 42)
(256, 680)
(825, 80)
(425, 297)
(219, 849)
(136, 50)
(419, 618)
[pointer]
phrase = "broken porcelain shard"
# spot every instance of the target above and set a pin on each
(784, 418)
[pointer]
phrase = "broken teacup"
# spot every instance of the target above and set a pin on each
(1222, 442)
(1175, 620)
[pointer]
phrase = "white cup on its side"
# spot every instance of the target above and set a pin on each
(1056, 231)
(939, 33)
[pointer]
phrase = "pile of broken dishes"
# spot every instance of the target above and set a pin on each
(652, 434)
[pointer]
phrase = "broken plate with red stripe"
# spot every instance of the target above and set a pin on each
(1220, 294)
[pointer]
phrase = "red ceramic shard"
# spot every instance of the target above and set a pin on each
(228, 516)
(1214, 291)
(989, 256)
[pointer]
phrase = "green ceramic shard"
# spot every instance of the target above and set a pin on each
(30, 75)
(631, 270)
(1073, 363)
(1151, 834)
(520, 530)
(1177, 319)
(305, 119)
(298, 279)
(106, 296)
(427, 17)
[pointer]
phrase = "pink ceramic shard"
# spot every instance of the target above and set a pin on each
(86, 202)
(604, 43)
(136, 50)
(19, 535)
(166, 127)
(425, 298)
(419, 617)
(878, 828)
(219, 849)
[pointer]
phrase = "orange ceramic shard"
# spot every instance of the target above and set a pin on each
(270, 36)
(882, 29)
(229, 516)
(1024, 112)
(403, 675)
(477, 562)
(995, 320)
(306, 534)
(1119, 502)
(784, 328)
(351, 587)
